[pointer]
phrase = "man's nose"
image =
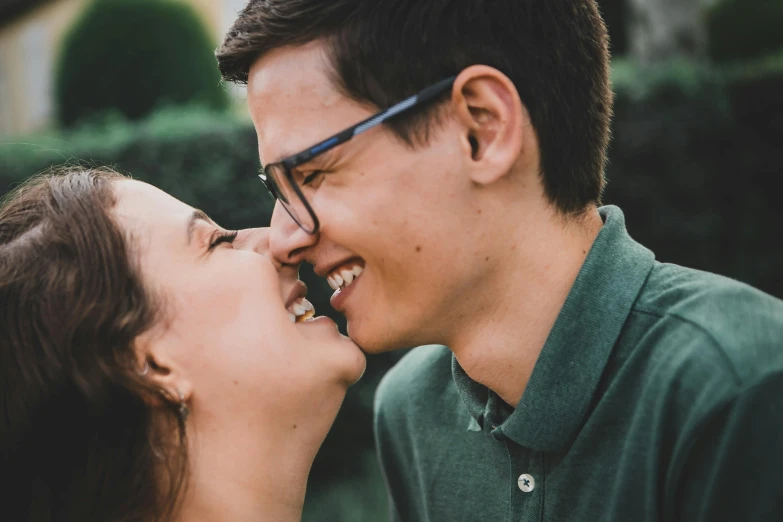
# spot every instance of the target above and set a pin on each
(288, 243)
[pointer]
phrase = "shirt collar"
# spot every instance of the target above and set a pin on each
(557, 398)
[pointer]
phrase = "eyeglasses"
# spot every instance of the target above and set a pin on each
(279, 179)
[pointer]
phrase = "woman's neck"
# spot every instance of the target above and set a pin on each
(243, 476)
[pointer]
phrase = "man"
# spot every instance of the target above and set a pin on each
(583, 381)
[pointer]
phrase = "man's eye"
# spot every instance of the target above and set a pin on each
(311, 177)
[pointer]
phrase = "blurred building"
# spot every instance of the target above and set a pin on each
(31, 32)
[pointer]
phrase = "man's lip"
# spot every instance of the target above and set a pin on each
(324, 270)
(339, 297)
(298, 291)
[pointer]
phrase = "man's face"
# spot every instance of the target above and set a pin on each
(404, 216)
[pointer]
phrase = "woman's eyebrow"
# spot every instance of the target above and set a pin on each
(197, 215)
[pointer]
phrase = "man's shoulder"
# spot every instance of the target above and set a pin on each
(423, 372)
(741, 325)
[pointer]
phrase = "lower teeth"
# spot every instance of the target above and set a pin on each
(306, 316)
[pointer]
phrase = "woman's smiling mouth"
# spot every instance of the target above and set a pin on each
(299, 308)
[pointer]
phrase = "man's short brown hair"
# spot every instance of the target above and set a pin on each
(554, 51)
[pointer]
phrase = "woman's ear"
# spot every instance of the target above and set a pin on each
(161, 371)
(497, 128)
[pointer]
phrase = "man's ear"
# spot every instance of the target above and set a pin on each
(497, 128)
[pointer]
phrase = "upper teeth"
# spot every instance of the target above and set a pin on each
(341, 278)
(302, 309)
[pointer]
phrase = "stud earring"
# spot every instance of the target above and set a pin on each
(183, 408)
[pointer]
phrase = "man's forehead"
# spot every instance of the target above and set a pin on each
(294, 103)
(284, 74)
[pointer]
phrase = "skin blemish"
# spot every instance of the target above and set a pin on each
(294, 426)
(418, 248)
(236, 382)
(478, 211)
(486, 259)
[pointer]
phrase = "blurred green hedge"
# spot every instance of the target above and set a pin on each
(694, 163)
(136, 56)
(745, 29)
(616, 16)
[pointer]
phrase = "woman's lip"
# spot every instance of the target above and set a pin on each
(298, 291)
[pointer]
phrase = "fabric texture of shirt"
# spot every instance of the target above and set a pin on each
(658, 396)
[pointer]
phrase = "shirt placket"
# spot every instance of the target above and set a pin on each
(526, 483)
(526, 469)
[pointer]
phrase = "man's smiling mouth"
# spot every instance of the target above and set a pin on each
(343, 276)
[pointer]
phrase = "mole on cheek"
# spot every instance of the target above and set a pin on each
(418, 248)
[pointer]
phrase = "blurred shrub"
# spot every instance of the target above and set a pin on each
(694, 164)
(740, 29)
(615, 14)
(135, 56)
(204, 158)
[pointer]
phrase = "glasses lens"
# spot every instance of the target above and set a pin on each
(291, 199)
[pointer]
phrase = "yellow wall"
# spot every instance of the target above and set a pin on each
(28, 53)
(28, 50)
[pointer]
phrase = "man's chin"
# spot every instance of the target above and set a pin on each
(374, 338)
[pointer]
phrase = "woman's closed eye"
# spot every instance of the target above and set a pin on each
(219, 236)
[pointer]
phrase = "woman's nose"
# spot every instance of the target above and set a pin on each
(256, 240)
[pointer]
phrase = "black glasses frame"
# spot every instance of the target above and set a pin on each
(291, 162)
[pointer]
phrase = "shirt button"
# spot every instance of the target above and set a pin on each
(526, 483)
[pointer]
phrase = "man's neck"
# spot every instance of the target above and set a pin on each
(520, 302)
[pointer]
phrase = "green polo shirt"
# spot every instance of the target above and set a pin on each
(658, 396)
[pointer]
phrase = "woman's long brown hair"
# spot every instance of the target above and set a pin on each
(78, 440)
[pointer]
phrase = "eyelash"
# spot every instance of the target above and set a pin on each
(224, 237)
(309, 179)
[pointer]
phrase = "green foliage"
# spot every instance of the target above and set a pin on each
(359, 498)
(742, 29)
(135, 56)
(695, 165)
(204, 158)
(615, 14)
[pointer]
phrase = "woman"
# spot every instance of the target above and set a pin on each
(150, 368)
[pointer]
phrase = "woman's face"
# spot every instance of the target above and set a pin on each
(227, 340)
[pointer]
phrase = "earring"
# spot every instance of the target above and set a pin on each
(183, 408)
(145, 369)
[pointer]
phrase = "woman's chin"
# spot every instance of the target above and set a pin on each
(358, 368)
(341, 354)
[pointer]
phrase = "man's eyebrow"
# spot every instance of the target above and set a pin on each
(318, 158)
(197, 215)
